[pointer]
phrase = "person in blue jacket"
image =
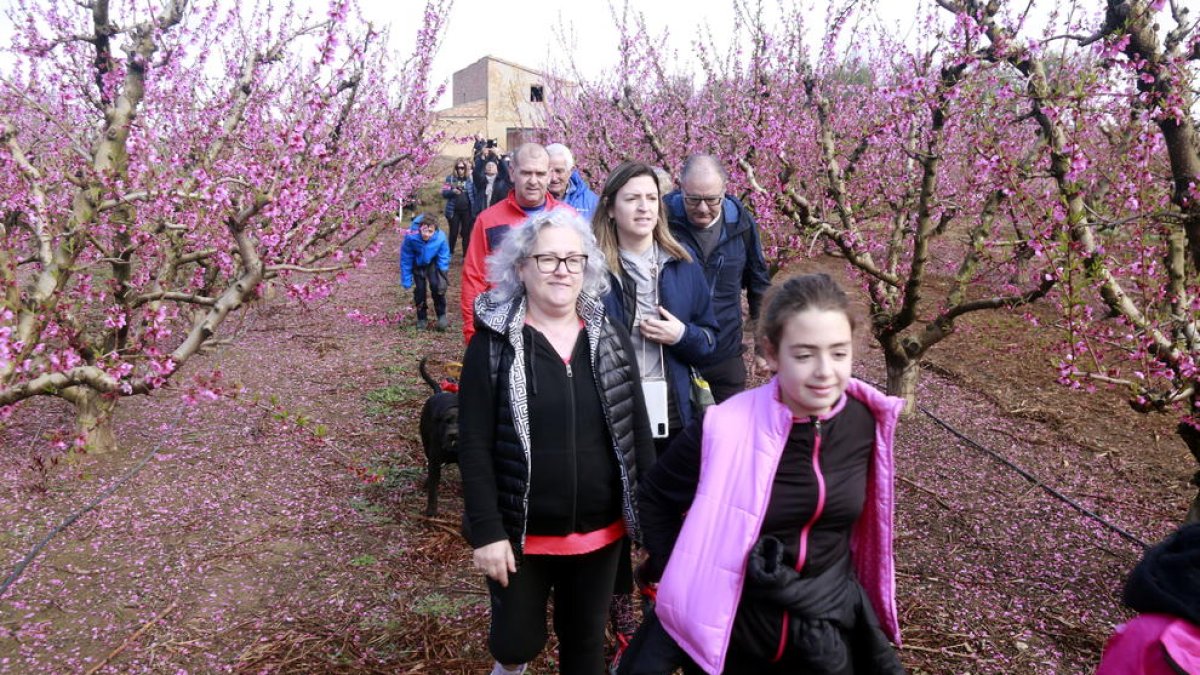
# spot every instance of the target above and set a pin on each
(424, 263)
(566, 184)
(723, 237)
(658, 292)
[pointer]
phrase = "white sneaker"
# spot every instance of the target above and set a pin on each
(499, 669)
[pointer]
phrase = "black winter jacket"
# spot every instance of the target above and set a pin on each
(1167, 580)
(496, 441)
(830, 625)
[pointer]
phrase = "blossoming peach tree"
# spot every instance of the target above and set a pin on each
(162, 162)
(988, 161)
(1126, 166)
(880, 157)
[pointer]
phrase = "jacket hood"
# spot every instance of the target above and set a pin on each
(1167, 580)
(576, 183)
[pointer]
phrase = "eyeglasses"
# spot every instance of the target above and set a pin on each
(694, 200)
(461, 167)
(548, 264)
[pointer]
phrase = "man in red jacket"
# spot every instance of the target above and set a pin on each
(530, 177)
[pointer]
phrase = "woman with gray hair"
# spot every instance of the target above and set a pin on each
(553, 435)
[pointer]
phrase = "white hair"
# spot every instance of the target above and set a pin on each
(555, 149)
(503, 263)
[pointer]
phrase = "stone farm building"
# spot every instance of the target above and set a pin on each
(498, 99)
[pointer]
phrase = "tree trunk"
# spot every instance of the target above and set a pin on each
(903, 373)
(1191, 438)
(93, 418)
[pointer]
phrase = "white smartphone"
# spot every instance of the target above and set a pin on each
(655, 393)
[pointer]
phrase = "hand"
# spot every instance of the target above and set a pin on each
(496, 560)
(665, 331)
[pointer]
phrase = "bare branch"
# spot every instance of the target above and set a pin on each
(188, 298)
(141, 196)
(626, 102)
(273, 270)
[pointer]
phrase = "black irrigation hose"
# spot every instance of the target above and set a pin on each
(105, 494)
(70, 520)
(1028, 476)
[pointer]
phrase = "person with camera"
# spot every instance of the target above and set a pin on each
(491, 176)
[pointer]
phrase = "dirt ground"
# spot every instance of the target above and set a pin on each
(281, 530)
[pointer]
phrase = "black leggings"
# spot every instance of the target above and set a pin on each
(582, 586)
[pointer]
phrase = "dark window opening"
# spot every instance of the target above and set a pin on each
(536, 94)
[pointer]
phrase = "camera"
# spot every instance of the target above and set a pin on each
(491, 143)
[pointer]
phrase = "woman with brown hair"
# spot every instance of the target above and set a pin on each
(658, 293)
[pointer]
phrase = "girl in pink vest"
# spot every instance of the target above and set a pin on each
(783, 563)
(1164, 639)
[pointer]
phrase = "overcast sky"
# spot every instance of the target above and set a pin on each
(525, 32)
(528, 32)
(513, 31)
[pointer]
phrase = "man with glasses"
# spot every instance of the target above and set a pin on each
(459, 191)
(723, 237)
(528, 196)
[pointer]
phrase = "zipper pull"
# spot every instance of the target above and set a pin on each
(817, 425)
(569, 373)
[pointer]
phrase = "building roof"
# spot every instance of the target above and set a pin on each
(511, 64)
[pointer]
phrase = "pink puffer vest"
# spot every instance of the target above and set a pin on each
(744, 438)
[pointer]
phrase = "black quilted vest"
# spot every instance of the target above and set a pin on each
(615, 377)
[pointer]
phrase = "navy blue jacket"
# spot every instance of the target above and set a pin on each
(682, 292)
(467, 185)
(728, 270)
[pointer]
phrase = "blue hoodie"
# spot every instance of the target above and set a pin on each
(419, 254)
(580, 196)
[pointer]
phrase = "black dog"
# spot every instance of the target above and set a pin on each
(439, 435)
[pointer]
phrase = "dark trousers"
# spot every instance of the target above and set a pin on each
(726, 378)
(582, 587)
(653, 652)
(460, 224)
(420, 281)
(465, 227)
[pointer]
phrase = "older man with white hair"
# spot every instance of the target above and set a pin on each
(565, 182)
